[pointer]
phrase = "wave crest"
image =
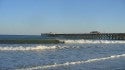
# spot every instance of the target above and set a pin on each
(93, 41)
(21, 48)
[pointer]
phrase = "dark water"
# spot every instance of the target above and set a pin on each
(6, 37)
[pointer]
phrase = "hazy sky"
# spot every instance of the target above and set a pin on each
(61, 16)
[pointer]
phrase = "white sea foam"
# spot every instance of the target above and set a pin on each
(93, 41)
(39, 47)
(21, 48)
(75, 63)
(45, 47)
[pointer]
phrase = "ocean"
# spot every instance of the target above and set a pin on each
(16, 37)
(73, 55)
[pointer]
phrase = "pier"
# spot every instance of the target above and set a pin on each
(91, 35)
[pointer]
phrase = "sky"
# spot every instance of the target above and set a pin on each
(33, 17)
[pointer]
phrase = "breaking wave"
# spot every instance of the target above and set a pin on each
(39, 47)
(21, 48)
(93, 41)
(58, 46)
(75, 63)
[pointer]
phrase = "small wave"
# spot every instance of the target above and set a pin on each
(74, 63)
(21, 48)
(40, 47)
(93, 41)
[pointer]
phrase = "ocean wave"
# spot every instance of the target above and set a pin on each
(74, 63)
(45, 47)
(94, 41)
(22, 48)
(39, 47)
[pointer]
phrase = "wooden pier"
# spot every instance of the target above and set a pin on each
(96, 36)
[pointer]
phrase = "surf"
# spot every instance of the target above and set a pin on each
(75, 62)
(22, 48)
(82, 41)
